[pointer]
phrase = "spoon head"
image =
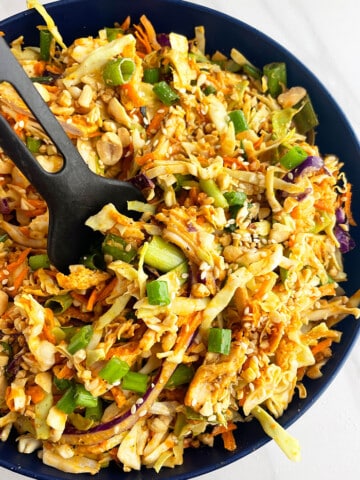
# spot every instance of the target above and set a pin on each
(69, 238)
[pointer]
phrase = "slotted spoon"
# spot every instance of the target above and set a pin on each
(72, 194)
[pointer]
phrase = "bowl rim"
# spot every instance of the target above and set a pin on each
(332, 367)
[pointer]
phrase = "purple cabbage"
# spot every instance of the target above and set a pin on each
(4, 206)
(163, 39)
(346, 242)
(142, 182)
(309, 165)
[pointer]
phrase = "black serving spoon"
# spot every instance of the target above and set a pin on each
(72, 194)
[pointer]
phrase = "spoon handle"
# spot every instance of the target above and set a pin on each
(73, 164)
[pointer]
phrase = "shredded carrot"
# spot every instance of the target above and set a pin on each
(144, 158)
(155, 122)
(92, 300)
(321, 346)
(19, 278)
(347, 204)
(36, 393)
(39, 68)
(220, 429)
(324, 206)
(63, 372)
(105, 292)
(119, 396)
(20, 259)
(229, 441)
(126, 23)
(130, 91)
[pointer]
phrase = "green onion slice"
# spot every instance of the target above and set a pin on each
(162, 255)
(219, 340)
(39, 261)
(135, 382)
(81, 339)
(165, 93)
(238, 119)
(158, 293)
(293, 157)
(59, 303)
(119, 71)
(276, 77)
(114, 370)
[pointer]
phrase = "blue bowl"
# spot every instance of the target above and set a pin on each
(76, 18)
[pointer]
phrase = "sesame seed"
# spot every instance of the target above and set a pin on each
(133, 409)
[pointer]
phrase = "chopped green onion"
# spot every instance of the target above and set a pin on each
(185, 181)
(151, 75)
(84, 398)
(306, 119)
(45, 44)
(165, 93)
(112, 33)
(4, 237)
(162, 255)
(251, 71)
(93, 261)
(235, 198)
(284, 273)
(158, 293)
(79, 422)
(142, 207)
(117, 248)
(39, 261)
(33, 144)
(62, 383)
(238, 119)
(67, 403)
(181, 375)
(276, 77)
(59, 303)
(94, 413)
(209, 89)
(212, 190)
(219, 340)
(119, 71)
(81, 339)
(135, 382)
(114, 370)
(293, 157)
(45, 79)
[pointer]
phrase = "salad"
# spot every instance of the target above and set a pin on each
(211, 307)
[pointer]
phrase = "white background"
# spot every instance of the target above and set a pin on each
(325, 36)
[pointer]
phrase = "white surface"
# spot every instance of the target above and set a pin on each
(325, 36)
